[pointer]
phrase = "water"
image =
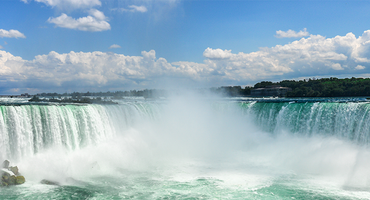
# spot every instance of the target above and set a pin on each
(189, 148)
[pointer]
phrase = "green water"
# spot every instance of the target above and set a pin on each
(189, 149)
(145, 186)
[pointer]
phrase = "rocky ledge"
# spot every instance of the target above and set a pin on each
(10, 175)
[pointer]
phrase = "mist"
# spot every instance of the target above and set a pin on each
(191, 136)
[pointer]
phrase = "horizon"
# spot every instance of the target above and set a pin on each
(186, 89)
(109, 45)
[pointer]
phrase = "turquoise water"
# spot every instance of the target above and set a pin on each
(189, 148)
(144, 188)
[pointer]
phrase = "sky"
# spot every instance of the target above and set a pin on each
(110, 45)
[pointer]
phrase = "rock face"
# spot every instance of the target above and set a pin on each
(6, 164)
(19, 180)
(10, 175)
(14, 170)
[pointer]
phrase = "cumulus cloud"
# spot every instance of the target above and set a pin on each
(114, 46)
(90, 68)
(291, 33)
(96, 21)
(360, 67)
(313, 56)
(12, 70)
(70, 4)
(11, 34)
(55, 71)
(217, 53)
(337, 66)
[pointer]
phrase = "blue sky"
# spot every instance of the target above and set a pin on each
(100, 45)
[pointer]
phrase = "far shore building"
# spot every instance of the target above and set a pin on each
(270, 91)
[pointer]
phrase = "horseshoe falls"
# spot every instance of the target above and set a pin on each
(189, 148)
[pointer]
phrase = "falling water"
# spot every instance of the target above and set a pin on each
(189, 148)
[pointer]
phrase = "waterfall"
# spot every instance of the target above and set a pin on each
(27, 129)
(345, 120)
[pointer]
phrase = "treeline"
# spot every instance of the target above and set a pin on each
(97, 100)
(232, 91)
(325, 87)
(147, 93)
(115, 95)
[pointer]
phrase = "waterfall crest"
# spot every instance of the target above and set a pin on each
(27, 129)
(345, 120)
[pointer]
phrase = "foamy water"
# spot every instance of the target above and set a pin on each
(189, 148)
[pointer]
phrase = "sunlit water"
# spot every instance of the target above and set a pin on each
(189, 148)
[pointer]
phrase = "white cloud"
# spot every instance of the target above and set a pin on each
(148, 55)
(291, 33)
(12, 68)
(337, 66)
(132, 8)
(1, 47)
(156, 10)
(70, 4)
(11, 34)
(97, 14)
(313, 56)
(135, 8)
(360, 67)
(217, 53)
(114, 46)
(96, 21)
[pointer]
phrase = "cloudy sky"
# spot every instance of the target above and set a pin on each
(101, 45)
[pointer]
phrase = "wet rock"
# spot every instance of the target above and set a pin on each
(20, 180)
(14, 170)
(48, 182)
(10, 175)
(12, 180)
(5, 177)
(6, 164)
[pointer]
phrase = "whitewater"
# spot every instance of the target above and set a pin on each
(189, 147)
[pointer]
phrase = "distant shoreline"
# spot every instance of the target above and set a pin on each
(324, 87)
